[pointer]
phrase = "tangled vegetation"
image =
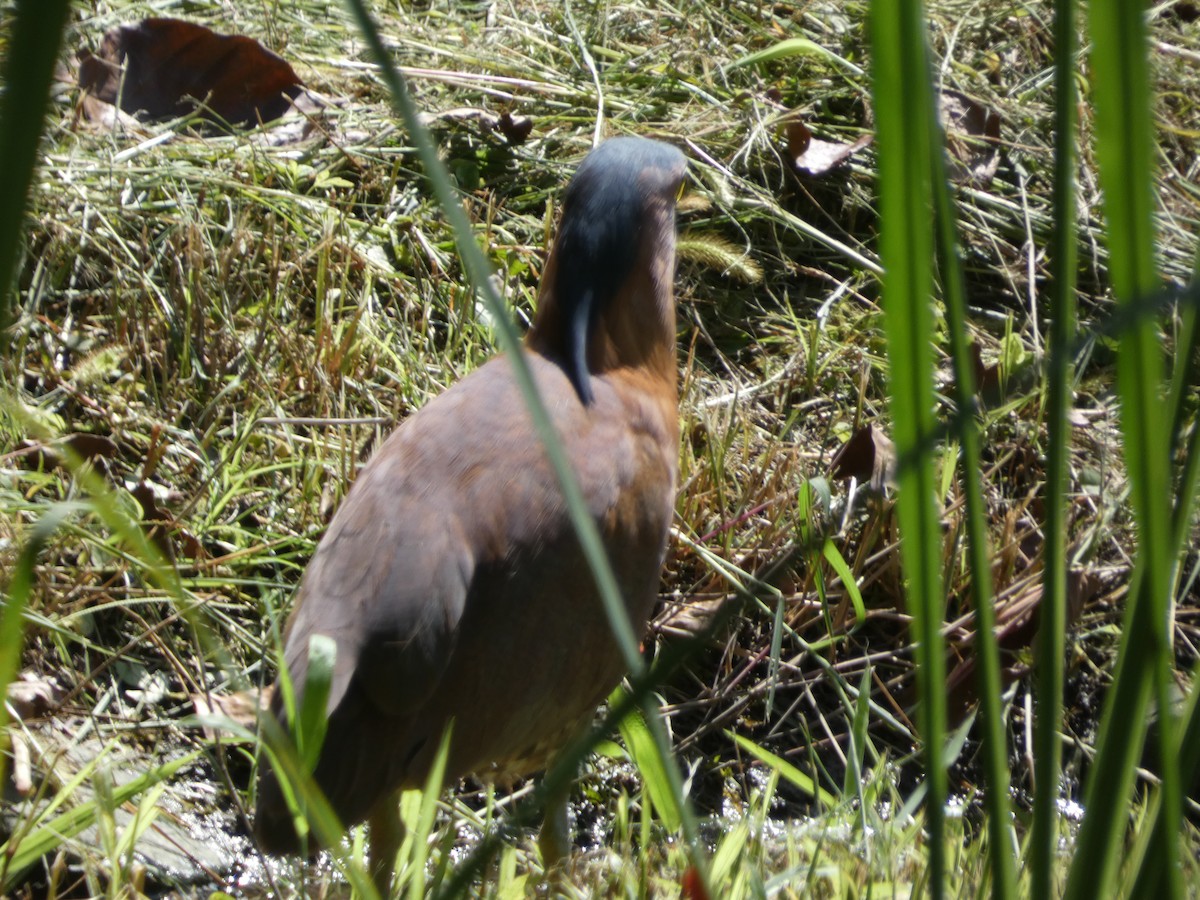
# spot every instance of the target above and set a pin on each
(213, 331)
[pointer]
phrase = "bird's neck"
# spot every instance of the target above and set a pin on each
(634, 330)
(637, 329)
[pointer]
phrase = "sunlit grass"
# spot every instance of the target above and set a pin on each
(245, 323)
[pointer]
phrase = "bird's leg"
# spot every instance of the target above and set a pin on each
(554, 840)
(386, 836)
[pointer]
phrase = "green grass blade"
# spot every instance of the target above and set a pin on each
(1053, 611)
(1147, 874)
(834, 557)
(318, 679)
(794, 47)
(1185, 380)
(987, 651)
(1124, 148)
(13, 606)
(787, 771)
(731, 849)
(859, 742)
(12, 610)
(318, 815)
(33, 44)
(428, 811)
(51, 834)
(903, 105)
(1110, 780)
(640, 743)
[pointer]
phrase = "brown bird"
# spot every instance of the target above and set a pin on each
(451, 579)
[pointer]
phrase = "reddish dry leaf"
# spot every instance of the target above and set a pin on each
(169, 65)
(91, 446)
(973, 138)
(869, 457)
(691, 887)
(815, 157)
(155, 521)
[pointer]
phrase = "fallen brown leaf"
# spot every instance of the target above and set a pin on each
(160, 524)
(987, 377)
(1183, 10)
(815, 157)
(869, 457)
(161, 68)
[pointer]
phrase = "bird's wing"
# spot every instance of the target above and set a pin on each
(461, 487)
(388, 584)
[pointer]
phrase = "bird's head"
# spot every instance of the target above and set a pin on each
(606, 297)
